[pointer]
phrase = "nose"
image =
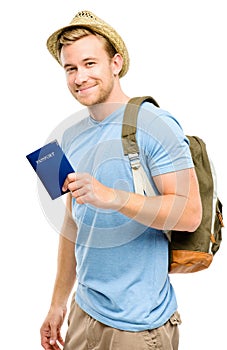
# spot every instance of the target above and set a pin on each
(80, 77)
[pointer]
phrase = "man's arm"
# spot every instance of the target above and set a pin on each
(65, 279)
(177, 207)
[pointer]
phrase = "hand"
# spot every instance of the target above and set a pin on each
(86, 189)
(50, 331)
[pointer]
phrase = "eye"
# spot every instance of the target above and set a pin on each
(70, 69)
(90, 63)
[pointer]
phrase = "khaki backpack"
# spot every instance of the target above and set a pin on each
(188, 251)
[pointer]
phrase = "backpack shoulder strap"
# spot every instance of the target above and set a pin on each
(130, 121)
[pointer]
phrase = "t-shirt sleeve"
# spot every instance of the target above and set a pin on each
(163, 142)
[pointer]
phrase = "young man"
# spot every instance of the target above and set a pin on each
(113, 241)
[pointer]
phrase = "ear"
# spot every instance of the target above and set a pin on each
(117, 63)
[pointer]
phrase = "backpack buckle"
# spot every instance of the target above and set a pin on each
(134, 160)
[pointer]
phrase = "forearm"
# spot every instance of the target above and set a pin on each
(178, 207)
(166, 212)
(66, 273)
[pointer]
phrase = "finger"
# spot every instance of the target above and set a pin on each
(80, 199)
(53, 334)
(69, 178)
(55, 346)
(45, 338)
(77, 185)
(45, 342)
(60, 339)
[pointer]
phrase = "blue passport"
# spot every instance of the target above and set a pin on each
(52, 166)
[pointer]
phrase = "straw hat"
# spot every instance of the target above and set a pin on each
(89, 20)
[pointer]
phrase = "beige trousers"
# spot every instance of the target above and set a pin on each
(86, 333)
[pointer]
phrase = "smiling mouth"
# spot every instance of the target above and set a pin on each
(84, 89)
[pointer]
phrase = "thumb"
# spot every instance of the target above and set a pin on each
(53, 334)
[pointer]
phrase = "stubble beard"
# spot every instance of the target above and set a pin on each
(102, 96)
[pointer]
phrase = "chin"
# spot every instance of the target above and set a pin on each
(90, 101)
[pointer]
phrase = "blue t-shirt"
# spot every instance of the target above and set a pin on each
(122, 265)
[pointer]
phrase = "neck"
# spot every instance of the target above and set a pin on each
(102, 110)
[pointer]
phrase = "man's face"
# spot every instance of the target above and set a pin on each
(89, 70)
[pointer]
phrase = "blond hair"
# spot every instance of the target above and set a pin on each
(71, 35)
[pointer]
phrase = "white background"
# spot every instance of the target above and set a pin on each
(178, 55)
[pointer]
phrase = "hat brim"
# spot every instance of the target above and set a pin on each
(96, 25)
